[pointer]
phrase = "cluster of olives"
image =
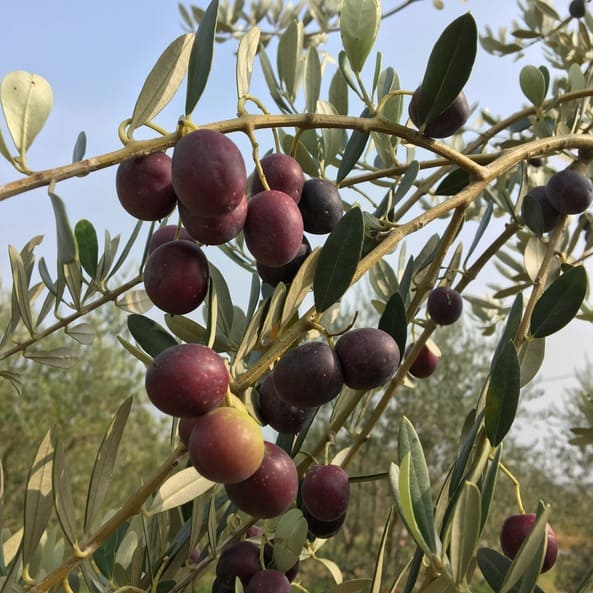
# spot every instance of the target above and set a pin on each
(253, 566)
(566, 192)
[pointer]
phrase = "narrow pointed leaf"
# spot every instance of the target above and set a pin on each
(559, 303)
(26, 102)
(453, 183)
(135, 301)
(83, 333)
(245, 58)
(338, 260)
(449, 66)
(531, 357)
(104, 557)
(20, 289)
(79, 149)
(88, 246)
(399, 479)
(378, 573)
(103, 466)
(149, 334)
(312, 79)
(489, 485)
(200, 60)
(394, 322)
(290, 47)
(163, 80)
(290, 536)
(465, 531)
(63, 501)
(354, 148)
(38, 497)
(65, 236)
(409, 443)
(60, 358)
(359, 23)
(179, 489)
(126, 250)
(502, 396)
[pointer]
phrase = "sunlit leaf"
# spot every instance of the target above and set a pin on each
(38, 497)
(20, 288)
(312, 79)
(103, 466)
(163, 80)
(290, 47)
(62, 490)
(465, 531)
(245, 58)
(359, 24)
(180, 488)
(60, 358)
(408, 443)
(135, 301)
(83, 333)
(378, 573)
(26, 102)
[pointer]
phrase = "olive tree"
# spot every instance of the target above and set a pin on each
(360, 166)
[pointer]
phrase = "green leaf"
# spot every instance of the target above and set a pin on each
(65, 236)
(190, 331)
(103, 466)
(408, 443)
(511, 326)
(394, 322)
(83, 333)
(480, 230)
(63, 501)
(224, 301)
(88, 246)
(26, 102)
(180, 488)
(332, 567)
(200, 59)
(20, 288)
(453, 183)
(312, 79)
(531, 357)
(290, 47)
(338, 260)
(532, 214)
(378, 573)
(333, 138)
(149, 334)
(79, 149)
(399, 480)
(134, 301)
(489, 486)
(300, 286)
(465, 530)
(245, 58)
(354, 148)
(533, 84)
(272, 83)
(126, 250)
(290, 536)
(38, 497)
(338, 93)
(359, 24)
(449, 66)
(104, 557)
(59, 358)
(559, 303)
(163, 80)
(502, 396)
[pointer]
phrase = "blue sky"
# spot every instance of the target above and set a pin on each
(97, 55)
